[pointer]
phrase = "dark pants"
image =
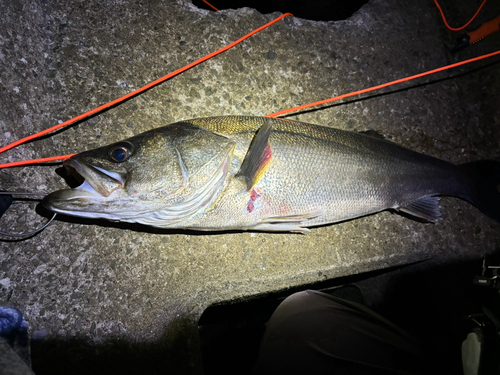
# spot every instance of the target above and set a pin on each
(315, 333)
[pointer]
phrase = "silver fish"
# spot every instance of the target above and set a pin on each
(254, 173)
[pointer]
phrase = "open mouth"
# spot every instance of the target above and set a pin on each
(97, 184)
(95, 179)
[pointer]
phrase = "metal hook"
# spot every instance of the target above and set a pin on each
(18, 235)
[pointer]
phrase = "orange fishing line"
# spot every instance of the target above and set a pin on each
(275, 114)
(210, 5)
(132, 94)
(34, 161)
(464, 26)
(382, 85)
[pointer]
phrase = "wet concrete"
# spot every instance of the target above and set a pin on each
(99, 282)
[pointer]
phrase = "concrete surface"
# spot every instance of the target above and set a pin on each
(97, 282)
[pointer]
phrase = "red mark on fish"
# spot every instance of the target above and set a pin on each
(268, 152)
(255, 198)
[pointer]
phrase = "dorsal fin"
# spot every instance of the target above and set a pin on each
(258, 156)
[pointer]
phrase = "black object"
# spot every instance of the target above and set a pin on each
(490, 275)
(462, 42)
(5, 202)
(480, 348)
(316, 10)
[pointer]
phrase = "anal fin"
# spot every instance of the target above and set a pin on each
(426, 208)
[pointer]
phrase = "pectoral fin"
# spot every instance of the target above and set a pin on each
(426, 208)
(258, 157)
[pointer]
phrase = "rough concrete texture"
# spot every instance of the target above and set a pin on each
(98, 281)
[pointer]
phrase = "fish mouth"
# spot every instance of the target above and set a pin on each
(96, 179)
(98, 184)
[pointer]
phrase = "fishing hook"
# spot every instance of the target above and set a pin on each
(19, 235)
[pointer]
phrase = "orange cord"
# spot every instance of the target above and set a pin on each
(275, 114)
(210, 5)
(35, 161)
(132, 94)
(285, 111)
(464, 26)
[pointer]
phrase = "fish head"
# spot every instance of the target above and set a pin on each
(158, 178)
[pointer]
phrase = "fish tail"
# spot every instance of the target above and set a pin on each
(484, 185)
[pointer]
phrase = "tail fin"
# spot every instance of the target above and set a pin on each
(484, 176)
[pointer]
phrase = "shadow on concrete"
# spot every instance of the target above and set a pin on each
(176, 353)
(429, 299)
(316, 10)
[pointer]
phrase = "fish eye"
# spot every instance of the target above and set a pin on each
(120, 153)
